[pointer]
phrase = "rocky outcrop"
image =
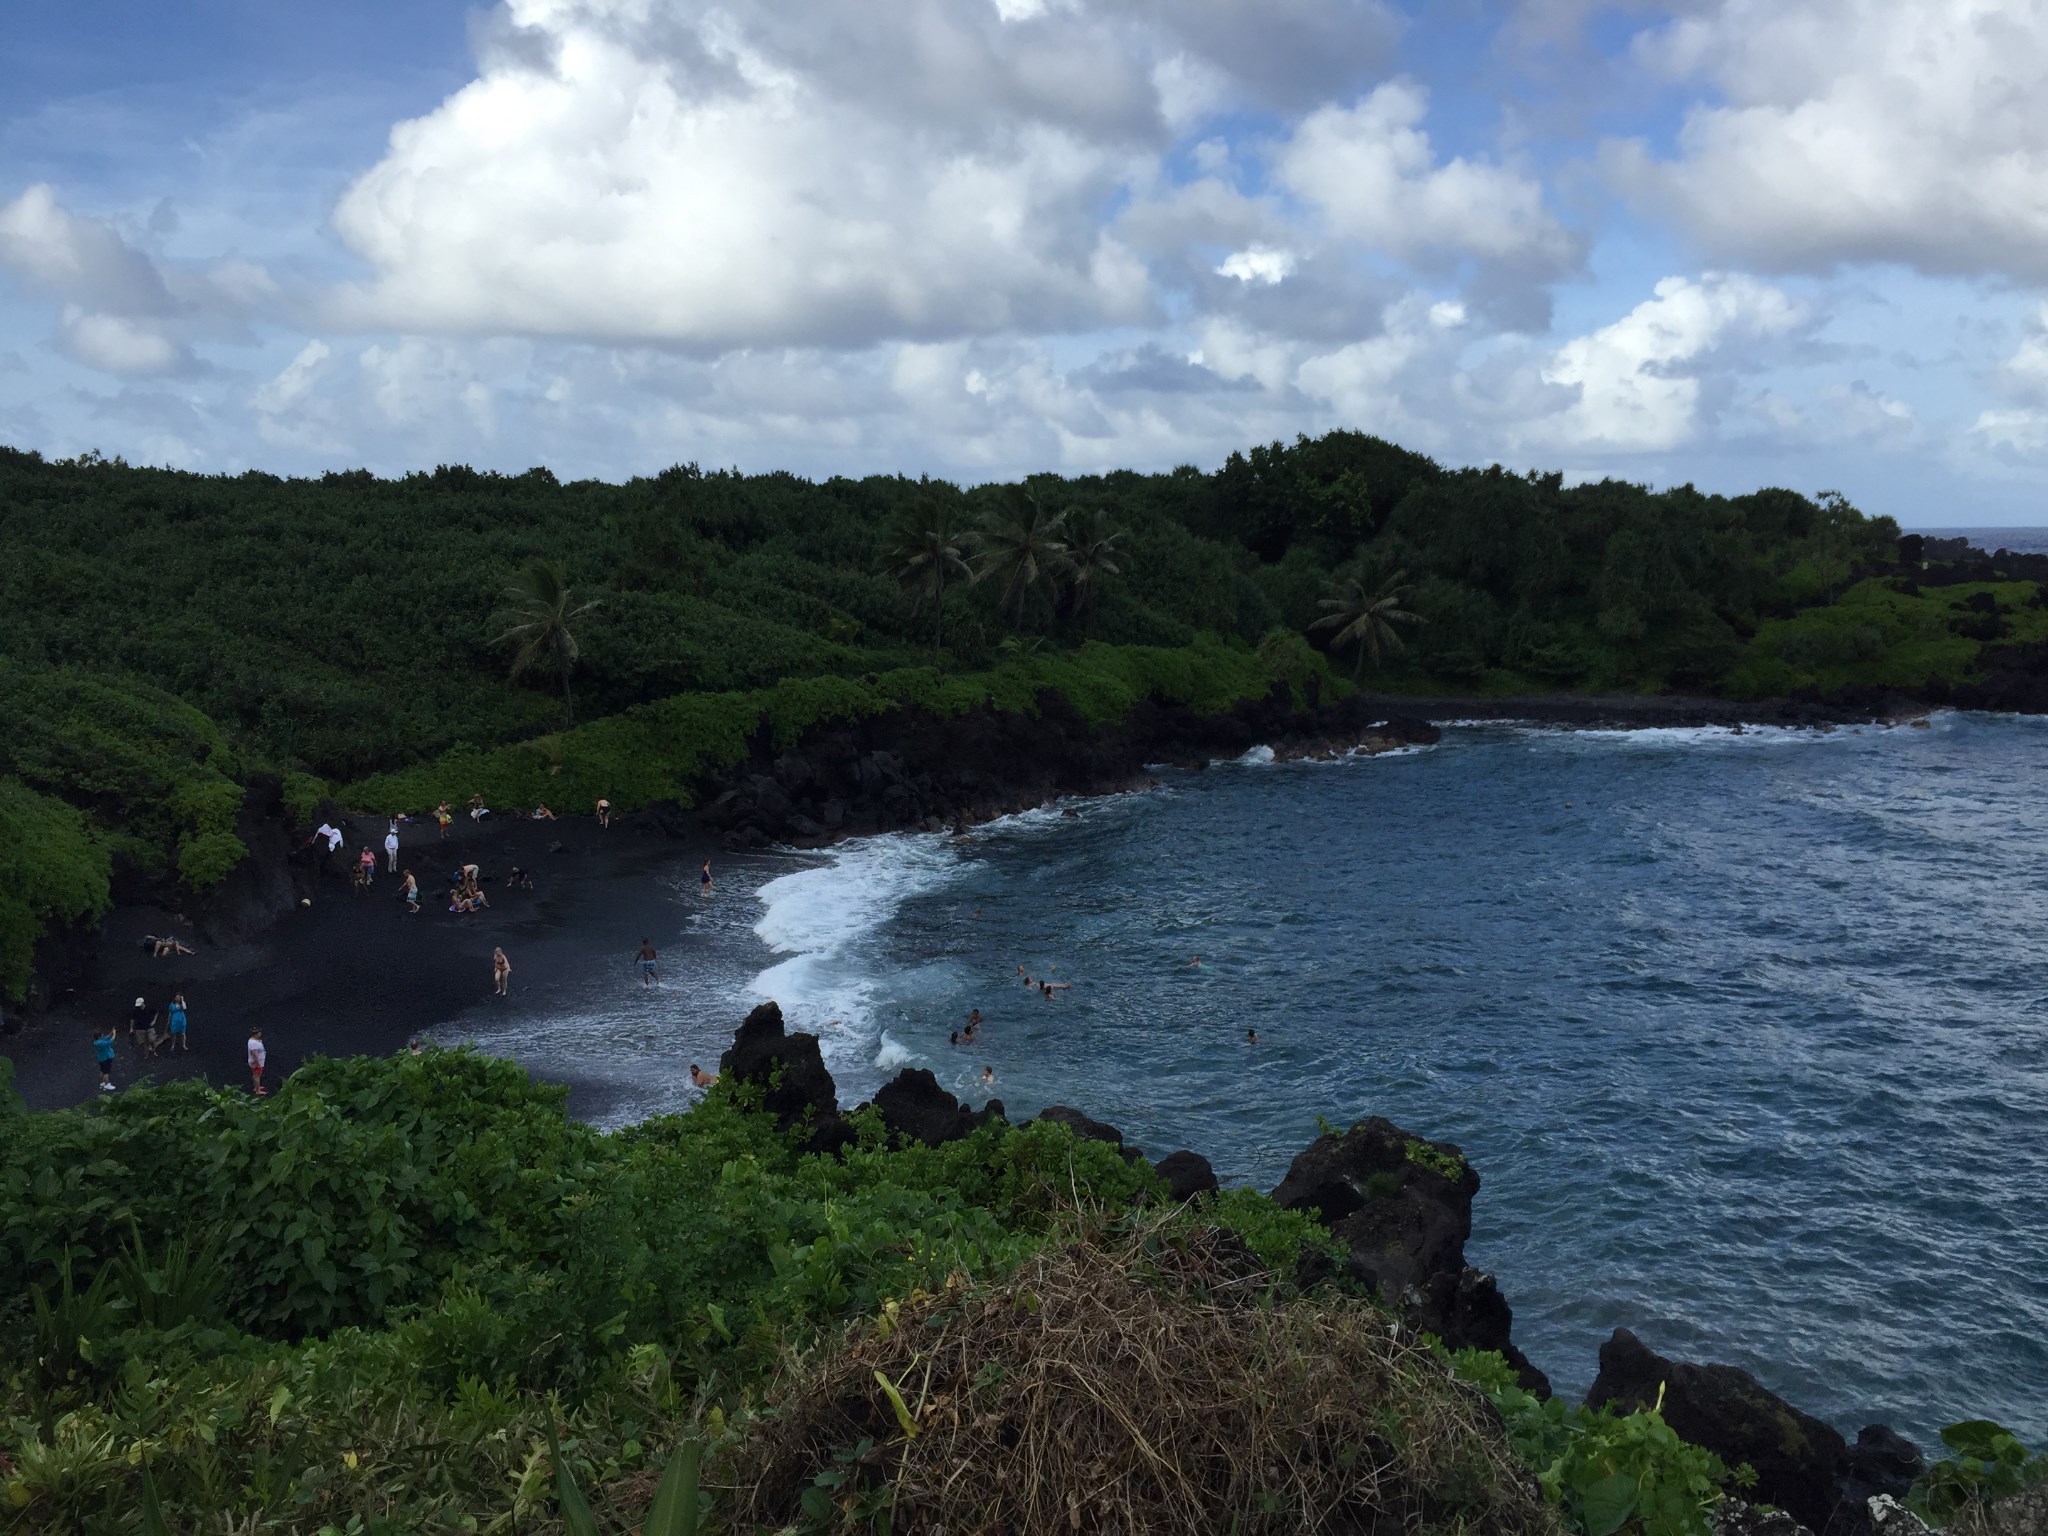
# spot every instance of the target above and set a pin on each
(1402, 1206)
(908, 768)
(789, 1070)
(1188, 1176)
(262, 888)
(915, 1108)
(1802, 1465)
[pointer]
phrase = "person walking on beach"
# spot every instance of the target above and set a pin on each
(391, 850)
(103, 1048)
(704, 879)
(180, 1040)
(411, 893)
(650, 971)
(501, 973)
(604, 813)
(258, 1059)
(366, 866)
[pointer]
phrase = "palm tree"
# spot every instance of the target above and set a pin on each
(1365, 618)
(537, 616)
(923, 553)
(1021, 545)
(1092, 553)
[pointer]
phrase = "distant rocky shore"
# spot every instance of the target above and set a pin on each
(1401, 1205)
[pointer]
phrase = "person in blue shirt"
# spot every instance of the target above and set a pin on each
(103, 1047)
(180, 1041)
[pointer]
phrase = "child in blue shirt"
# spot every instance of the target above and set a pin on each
(103, 1047)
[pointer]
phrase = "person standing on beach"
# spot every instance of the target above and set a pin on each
(391, 850)
(443, 816)
(258, 1059)
(501, 973)
(180, 1041)
(650, 972)
(411, 893)
(103, 1048)
(704, 879)
(141, 1018)
(604, 813)
(366, 862)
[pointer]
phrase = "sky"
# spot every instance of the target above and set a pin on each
(1726, 242)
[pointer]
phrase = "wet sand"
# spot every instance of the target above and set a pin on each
(356, 974)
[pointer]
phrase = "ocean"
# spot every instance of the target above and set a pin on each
(1746, 1032)
(2021, 541)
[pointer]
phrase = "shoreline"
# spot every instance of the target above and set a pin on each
(352, 974)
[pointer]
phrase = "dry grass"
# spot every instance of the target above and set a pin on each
(1149, 1384)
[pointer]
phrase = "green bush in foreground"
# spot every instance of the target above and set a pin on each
(1989, 1464)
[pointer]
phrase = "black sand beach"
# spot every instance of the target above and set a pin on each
(355, 974)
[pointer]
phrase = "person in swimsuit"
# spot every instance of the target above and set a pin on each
(650, 969)
(988, 1076)
(259, 1058)
(411, 893)
(704, 879)
(604, 813)
(1251, 1037)
(443, 816)
(700, 1077)
(180, 1040)
(953, 1038)
(501, 973)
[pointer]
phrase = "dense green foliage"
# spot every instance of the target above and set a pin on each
(389, 1257)
(1613, 1474)
(164, 636)
(661, 751)
(53, 869)
(369, 1302)
(1989, 1463)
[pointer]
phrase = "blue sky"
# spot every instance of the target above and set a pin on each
(1732, 242)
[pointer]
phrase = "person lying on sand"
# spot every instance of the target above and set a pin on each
(700, 1077)
(163, 947)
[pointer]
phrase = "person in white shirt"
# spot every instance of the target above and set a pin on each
(391, 848)
(258, 1058)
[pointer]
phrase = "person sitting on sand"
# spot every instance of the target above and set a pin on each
(542, 813)
(457, 902)
(604, 813)
(701, 1078)
(477, 809)
(518, 880)
(650, 970)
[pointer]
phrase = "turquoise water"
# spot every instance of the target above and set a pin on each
(1747, 1034)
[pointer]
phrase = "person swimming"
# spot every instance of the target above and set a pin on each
(700, 1078)
(1251, 1037)
(988, 1074)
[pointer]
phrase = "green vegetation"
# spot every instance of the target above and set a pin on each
(1613, 1474)
(165, 637)
(1989, 1464)
(412, 1296)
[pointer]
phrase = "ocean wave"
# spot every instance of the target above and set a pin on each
(824, 918)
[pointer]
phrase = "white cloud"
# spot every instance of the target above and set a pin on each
(1636, 393)
(1859, 131)
(87, 261)
(1258, 264)
(1370, 170)
(118, 344)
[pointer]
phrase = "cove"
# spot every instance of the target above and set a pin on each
(1746, 1032)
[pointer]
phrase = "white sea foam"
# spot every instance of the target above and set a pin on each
(822, 918)
(1257, 757)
